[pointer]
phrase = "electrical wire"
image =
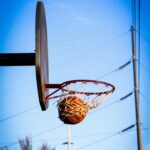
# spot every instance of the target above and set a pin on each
(98, 141)
(79, 136)
(110, 104)
(113, 133)
(107, 137)
(11, 144)
(133, 12)
(147, 101)
(115, 70)
(134, 18)
(88, 135)
(143, 37)
(139, 40)
(19, 85)
(107, 74)
(35, 107)
(143, 96)
(147, 129)
(46, 131)
(34, 136)
(148, 71)
(49, 130)
(18, 114)
(114, 39)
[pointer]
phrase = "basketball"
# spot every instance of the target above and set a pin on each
(72, 110)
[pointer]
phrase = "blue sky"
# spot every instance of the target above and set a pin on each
(86, 40)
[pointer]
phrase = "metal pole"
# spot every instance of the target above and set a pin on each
(68, 137)
(136, 92)
(17, 59)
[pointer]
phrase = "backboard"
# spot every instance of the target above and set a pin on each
(39, 59)
(41, 56)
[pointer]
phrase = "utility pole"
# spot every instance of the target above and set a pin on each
(136, 91)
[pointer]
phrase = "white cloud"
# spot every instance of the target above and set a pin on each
(74, 13)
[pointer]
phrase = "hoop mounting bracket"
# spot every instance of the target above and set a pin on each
(17, 59)
(52, 86)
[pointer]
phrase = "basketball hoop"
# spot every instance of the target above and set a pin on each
(77, 97)
(93, 92)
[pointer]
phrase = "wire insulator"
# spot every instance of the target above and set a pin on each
(128, 128)
(126, 96)
(126, 64)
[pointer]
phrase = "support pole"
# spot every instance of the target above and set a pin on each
(68, 143)
(68, 137)
(136, 92)
(17, 59)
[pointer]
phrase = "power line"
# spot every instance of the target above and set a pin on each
(115, 38)
(34, 136)
(121, 99)
(89, 135)
(49, 130)
(133, 13)
(18, 114)
(113, 133)
(107, 137)
(148, 71)
(77, 136)
(35, 107)
(97, 134)
(10, 89)
(46, 131)
(139, 40)
(115, 70)
(11, 144)
(147, 101)
(143, 96)
(146, 129)
(142, 36)
(83, 136)
(110, 104)
(98, 141)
